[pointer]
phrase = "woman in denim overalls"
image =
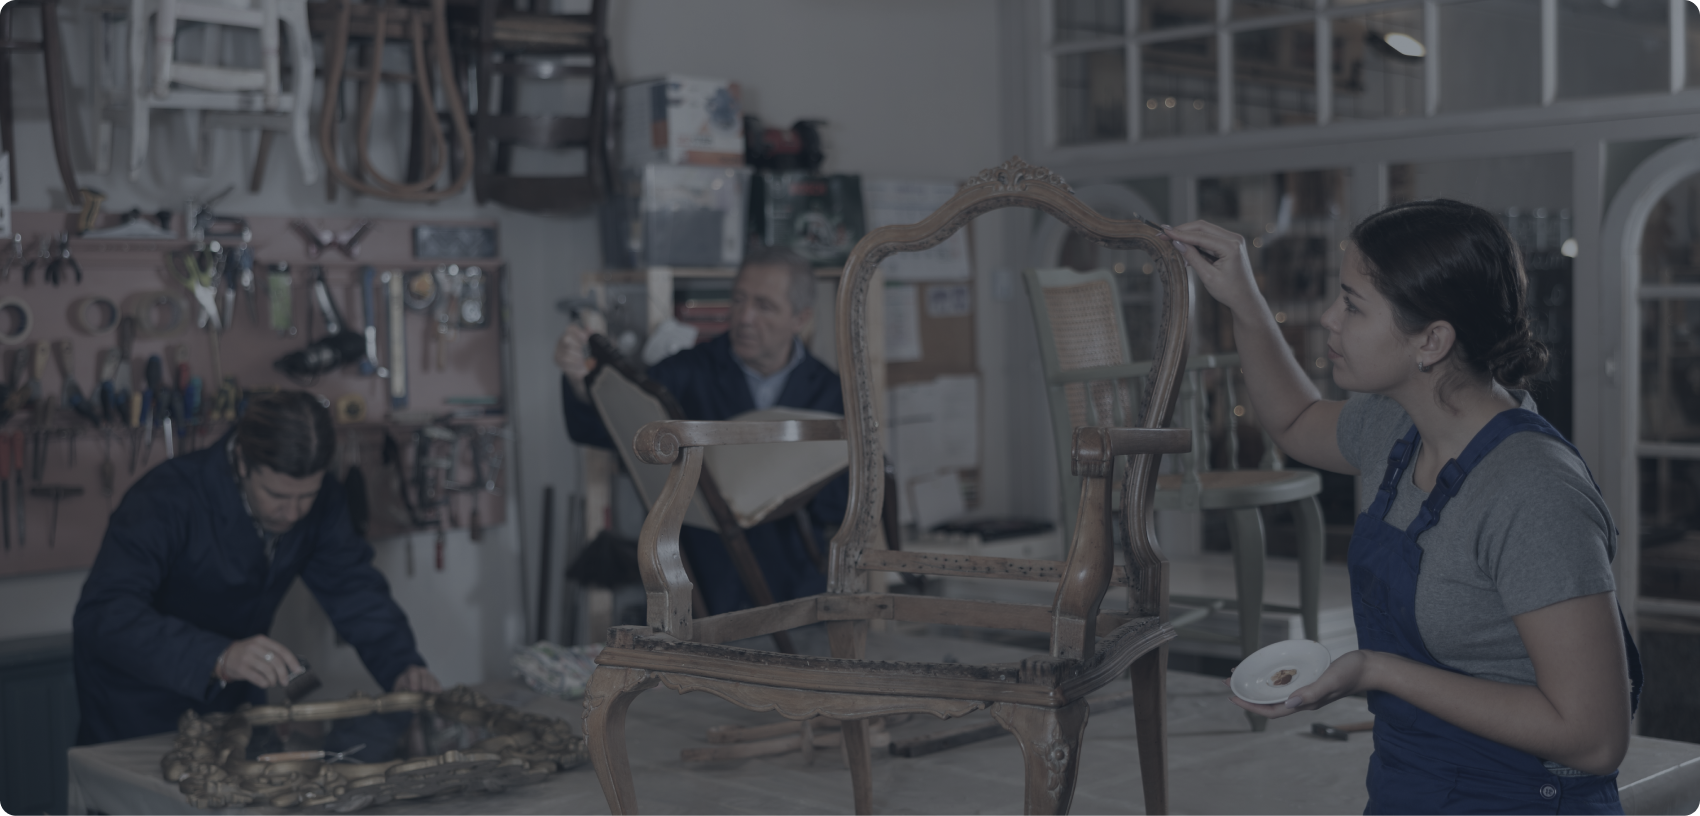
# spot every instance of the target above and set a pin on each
(1430, 314)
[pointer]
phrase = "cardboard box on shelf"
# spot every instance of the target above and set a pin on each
(682, 120)
(676, 215)
(693, 216)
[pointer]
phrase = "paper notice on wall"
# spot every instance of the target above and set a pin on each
(958, 421)
(914, 431)
(935, 426)
(892, 202)
(949, 300)
(902, 324)
(937, 499)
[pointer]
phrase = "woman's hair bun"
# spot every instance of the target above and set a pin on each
(1516, 359)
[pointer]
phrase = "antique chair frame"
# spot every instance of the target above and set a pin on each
(1240, 493)
(1043, 698)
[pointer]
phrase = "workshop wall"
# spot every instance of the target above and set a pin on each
(909, 91)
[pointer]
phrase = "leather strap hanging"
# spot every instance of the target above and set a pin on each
(371, 182)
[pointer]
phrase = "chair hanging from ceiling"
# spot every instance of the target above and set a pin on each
(534, 53)
(434, 78)
(51, 46)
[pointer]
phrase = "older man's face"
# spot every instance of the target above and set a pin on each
(763, 322)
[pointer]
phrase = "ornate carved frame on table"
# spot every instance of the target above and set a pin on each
(1042, 699)
(209, 766)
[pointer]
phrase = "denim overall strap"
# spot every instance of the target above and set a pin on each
(1398, 460)
(1423, 764)
(1452, 475)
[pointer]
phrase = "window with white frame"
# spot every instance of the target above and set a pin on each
(1129, 70)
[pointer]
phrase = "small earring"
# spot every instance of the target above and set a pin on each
(1420, 366)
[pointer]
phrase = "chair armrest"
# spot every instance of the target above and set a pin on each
(1095, 447)
(659, 443)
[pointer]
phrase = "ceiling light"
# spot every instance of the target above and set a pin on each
(1570, 249)
(1408, 45)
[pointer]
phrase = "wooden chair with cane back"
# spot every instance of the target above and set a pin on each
(1042, 699)
(765, 483)
(1090, 375)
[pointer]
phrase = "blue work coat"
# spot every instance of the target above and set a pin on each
(709, 385)
(182, 573)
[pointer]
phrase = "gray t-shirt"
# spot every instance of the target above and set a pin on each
(1526, 530)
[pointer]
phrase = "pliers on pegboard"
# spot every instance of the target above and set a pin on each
(14, 253)
(55, 272)
(42, 255)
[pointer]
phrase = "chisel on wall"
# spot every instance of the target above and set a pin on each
(396, 307)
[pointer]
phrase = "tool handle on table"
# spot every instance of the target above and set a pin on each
(291, 756)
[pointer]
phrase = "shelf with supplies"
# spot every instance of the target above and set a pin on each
(447, 346)
(711, 272)
(624, 297)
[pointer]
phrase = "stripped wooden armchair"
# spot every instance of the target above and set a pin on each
(1042, 699)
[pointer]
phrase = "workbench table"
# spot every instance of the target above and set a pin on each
(1216, 764)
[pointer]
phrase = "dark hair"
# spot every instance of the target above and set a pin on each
(801, 289)
(287, 431)
(1447, 260)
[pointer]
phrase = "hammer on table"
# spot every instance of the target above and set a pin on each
(1341, 732)
(56, 493)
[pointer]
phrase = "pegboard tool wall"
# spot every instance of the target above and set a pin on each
(115, 269)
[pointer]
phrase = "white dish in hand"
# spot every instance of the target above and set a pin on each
(1271, 674)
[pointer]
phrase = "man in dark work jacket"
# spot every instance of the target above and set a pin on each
(759, 363)
(195, 561)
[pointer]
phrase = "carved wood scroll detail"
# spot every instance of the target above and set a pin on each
(1015, 175)
(209, 765)
(1050, 741)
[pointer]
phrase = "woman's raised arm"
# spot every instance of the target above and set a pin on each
(1287, 403)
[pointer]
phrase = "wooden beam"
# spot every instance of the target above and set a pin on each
(972, 566)
(761, 620)
(857, 677)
